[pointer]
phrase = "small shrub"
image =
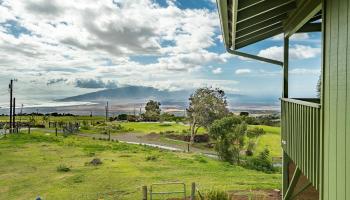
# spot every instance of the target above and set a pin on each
(151, 158)
(214, 195)
(261, 163)
(95, 162)
(200, 159)
(63, 168)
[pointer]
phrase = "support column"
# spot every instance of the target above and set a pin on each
(285, 67)
(286, 160)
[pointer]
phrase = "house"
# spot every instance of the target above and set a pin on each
(315, 132)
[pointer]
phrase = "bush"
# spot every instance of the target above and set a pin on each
(228, 134)
(261, 162)
(214, 195)
(63, 168)
(250, 148)
(85, 125)
(95, 162)
(151, 158)
(122, 117)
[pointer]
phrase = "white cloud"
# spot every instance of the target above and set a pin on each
(217, 70)
(65, 41)
(295, 52)
(304, 71)
(243, 71)
(295, 37)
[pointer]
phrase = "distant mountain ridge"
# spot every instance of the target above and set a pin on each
(141, 94)
(132, 93)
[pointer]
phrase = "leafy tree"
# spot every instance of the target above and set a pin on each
(318, 87)
(229, 133)
(122, 117)
(152, 111)
(45, 119)
(206, 106)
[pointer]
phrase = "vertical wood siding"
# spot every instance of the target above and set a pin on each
(336, 100)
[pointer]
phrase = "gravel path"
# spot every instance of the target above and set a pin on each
(150, 140)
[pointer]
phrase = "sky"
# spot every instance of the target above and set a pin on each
(56, 49)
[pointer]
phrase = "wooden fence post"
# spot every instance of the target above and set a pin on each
(144, 192)
(56, 131)
(193, 191)
(28, 129)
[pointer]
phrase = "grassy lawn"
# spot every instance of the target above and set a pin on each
(28, 168)
(272, 139)
(144, 127)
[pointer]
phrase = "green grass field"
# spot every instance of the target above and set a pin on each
(272, 140)
(28, 168)
(144, 127)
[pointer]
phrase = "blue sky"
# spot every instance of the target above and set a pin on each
(58, 49)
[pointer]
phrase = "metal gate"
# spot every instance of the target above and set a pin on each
(182, 191)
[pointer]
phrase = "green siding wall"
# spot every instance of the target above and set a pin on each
(336, 100)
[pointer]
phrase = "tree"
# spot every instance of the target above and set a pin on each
(318, 87)
(152, 111)
(206, 106)
(229, 133)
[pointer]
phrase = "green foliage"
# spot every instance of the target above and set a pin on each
(85, 125)
(214, 195)
(229, 133)
(206, 105)
(262, 162)
(132, 118)
(255, 132)
(171, 117)
(151, 158)
(123, 117)
(152, 111)
(63, 168)
(250, 148)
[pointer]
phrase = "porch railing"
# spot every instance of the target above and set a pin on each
(301, 135)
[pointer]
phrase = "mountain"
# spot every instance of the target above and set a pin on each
(131, 94)
(140, 94)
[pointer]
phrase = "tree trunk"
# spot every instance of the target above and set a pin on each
(193, 131)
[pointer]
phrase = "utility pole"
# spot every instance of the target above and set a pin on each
(107, 111)
(14, 115)
(11, 87)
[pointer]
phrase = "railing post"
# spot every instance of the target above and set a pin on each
(144, 192)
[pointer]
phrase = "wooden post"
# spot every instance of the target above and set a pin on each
(109, 135)
(56, 131)
(285, 67)
(285, 162)
(14, 115)
(144, 192)
(28, 129)
(188, 147)
(193, 191)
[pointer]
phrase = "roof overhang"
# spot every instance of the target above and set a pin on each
(245, 22)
